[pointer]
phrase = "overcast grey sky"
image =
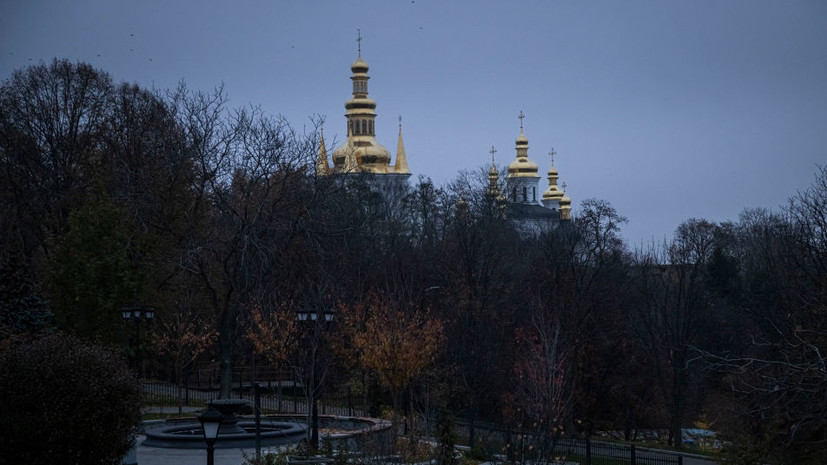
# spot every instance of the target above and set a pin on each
(669, 110)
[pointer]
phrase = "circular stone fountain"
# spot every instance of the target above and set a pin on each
(234, 433)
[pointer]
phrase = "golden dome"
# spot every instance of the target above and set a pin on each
(371, 156)
(522, 167)
(359, 66)
(360, 105)
(552, 193)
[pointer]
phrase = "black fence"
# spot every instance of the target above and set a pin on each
(275, 397)
(530, 447)
(279, 394)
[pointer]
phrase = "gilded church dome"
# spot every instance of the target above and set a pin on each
(522, 167)
(359, 66)
(369, 154)
(361, 151)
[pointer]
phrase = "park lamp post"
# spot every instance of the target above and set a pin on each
(210, 424)
(313, 316)
(135, 313)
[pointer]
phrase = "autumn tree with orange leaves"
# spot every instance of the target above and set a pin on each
(183, 335)
(273, 334)
(392, 340)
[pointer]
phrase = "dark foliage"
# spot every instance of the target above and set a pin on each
(66, 402)
(22, 309)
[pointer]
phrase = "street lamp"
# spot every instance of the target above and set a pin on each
(210, 424)
(314, 316)
(135, 313)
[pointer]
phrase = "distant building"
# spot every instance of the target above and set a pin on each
(361, 153)
(524, 208)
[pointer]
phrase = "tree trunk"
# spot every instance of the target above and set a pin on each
(178, 378)
(225, 354)
(677, 403)
(472, 422)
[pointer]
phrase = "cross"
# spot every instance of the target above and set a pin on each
(492, 152)
(552, 153)
(521, 120)
(400, 122)
(564, 185)
(359, 41)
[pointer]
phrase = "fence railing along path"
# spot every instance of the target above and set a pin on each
(273, 399)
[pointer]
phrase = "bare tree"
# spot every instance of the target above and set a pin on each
(778, 374)
(251, 188)
(674, 311)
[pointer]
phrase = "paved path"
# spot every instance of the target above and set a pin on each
(163, 456)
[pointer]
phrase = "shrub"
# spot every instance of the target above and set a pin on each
(66, 402)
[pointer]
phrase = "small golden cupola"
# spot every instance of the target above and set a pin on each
(361, 144)
(552, 195)
(522, 173)
(493, 177)
(565, 205)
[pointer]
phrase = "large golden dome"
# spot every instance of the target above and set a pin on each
(522, 166)
(371, 156)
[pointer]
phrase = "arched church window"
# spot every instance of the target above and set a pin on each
(364, 127)
(514, 194)
(370, 127)
(355, 130)
(533, 194)
(525, 194)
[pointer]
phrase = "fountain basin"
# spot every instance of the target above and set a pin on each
(188, 435)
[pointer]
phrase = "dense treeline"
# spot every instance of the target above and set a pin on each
(114, 195)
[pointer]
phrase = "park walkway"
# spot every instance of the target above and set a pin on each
(294, 405)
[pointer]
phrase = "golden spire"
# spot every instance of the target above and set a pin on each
(462, 208)
(401, 159)
(322, 168)
(552, 195)
(565, 205)
(360, 111)
(493, 176)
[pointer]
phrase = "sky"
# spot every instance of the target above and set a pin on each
(669, 110)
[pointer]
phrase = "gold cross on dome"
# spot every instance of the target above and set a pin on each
(564, 185)
(359, 41)
(492, 152)
(522, 115)
(552, 153)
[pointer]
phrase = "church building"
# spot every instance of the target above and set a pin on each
(523, 207)
(361, 153)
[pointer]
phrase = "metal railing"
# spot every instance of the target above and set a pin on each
(286, 396)
(276, 396)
